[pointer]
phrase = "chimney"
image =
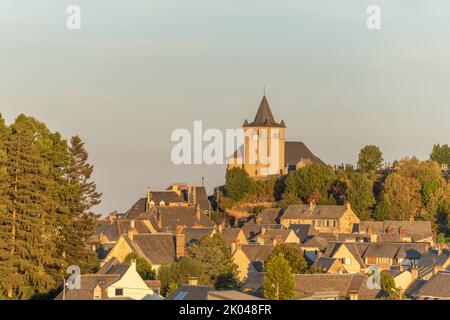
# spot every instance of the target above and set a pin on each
(411, 218)
(192, 281)
(276, 241)
(258, 219)
(112, 217)
(149, 197)
(194, 195)
(180, 239)
(373, 237)
(312, 205)
(353, 295)
(415, 273)
(159, 220)
(347, 206)
(260, 240)
(132, 231)
(263, 231)
(133, 264)
(233, 246)
(198, 212)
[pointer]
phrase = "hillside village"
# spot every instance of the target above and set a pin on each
(329, 248)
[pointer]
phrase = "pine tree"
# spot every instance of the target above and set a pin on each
(32, 225)
(9, 276)
(81, 222)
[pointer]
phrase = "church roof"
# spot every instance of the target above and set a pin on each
(264, 117)
(295, 151)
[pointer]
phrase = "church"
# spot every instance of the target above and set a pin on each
(265, 151)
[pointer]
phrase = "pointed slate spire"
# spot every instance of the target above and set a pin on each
(264, 116)
(245, 123)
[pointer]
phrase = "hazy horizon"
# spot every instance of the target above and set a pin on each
(136, 72)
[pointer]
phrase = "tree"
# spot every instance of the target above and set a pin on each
(441, 154)
(278, 281)
(402, 195)
(31, 217)
(143, 267)
(370, 158)
(388, 285)
(80, 221)
(41, 225)
(238, 184)
(214, 255)
(293, 255)
(357, 189)
(174, 275)
(311, 180)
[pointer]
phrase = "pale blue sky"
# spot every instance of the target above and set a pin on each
(139, 69)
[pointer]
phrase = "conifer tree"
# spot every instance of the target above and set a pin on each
(32, 225)
(83, 196)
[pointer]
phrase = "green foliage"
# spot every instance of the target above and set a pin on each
(403, 196)
(143, 267)
(312, 181)
(41, 210)
(293, 255)
(388, 284)
(215, 257)
(441, 238)
(208, 260)
(238, 184)
(357, 189)
(278, 281)
(370, 158)
(441, 154)
(174, 275)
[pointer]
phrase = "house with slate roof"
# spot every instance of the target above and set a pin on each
(323, 218)
(113, 281)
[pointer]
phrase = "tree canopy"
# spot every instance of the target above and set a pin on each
(278, 281)
(441, 154)
(238, 184)
(293, 255)
(46, 224)
(312, 181)
(370, 158)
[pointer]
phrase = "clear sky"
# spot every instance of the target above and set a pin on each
(137, 70)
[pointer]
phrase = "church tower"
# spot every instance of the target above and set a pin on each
(264, 144)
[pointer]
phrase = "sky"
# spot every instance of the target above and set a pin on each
(138, 70)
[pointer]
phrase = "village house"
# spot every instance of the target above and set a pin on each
(403, 278)
(328, 265)
(322, 286)
(250, 258)
(233, 235)
(253, 227)
(194, 234)
(113, 281)
(396, 231)
(436, 288)
(324, 218)
(348, 254)
(356, 257)
(276, 236)
(434, 260)
(158, 249)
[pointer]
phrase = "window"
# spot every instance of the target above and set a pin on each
(119, 292)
